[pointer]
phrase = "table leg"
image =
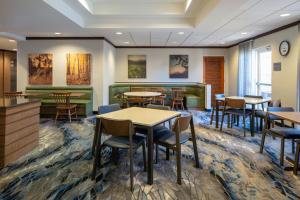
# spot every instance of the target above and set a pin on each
(217, 114)
(150, 156)
(252, 120)
(194, 143)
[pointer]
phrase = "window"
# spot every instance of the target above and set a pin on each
(263, 57)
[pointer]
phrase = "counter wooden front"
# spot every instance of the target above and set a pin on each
(19, 128)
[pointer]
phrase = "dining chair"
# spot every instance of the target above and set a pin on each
(177, 98)
(12, 94)
(158, 99)
(103, 110)
(172, 139)
(236, 107)
(296, 163)
(282, 132)
(122, 137)
(221, 106)
(261, 114)
(63, 105)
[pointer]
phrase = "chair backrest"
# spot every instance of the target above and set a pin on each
(254, 96)
(182, 123)
(116, 127)
(235, 103)
(61, 97)
(13, 94)
(280, 109)
(109, 108)
(177, 92)
(275, 103)
(159, 107)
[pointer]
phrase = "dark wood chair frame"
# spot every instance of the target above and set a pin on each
(115, 128)
(296, 163)
(267, 130)
(181, 124)
(214, 106)
(235, 107)
(177, 99)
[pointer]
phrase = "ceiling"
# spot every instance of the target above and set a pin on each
(147, 22)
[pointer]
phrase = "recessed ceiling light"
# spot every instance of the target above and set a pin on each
(119, 33)
(244, 33)
(12, 40)
(222, 42)
(57, 33)
(174, 42)
(126, 42)
(15, 49)
(181, 33)
(285, 15)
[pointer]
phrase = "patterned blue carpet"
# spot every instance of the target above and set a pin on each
(231, 168)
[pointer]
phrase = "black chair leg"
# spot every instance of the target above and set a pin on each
(212, 116)
(156, 153)
(221, 126)
(296, 164)
(262, 144)
(178, 160)
(228, 121)
(167, 153)
(282, 152)
(244, 125)
(261, 124)
(293, 146)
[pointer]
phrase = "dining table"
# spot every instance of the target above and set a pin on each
(253, 102)
(148, 118)
(143, 94)
(293, 117)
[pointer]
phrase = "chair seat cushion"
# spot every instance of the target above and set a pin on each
(168, 137)
(290, 133)
(238, 111)
(123, 142)
(157, 131)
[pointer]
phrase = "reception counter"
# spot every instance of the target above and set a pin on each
(19, 128)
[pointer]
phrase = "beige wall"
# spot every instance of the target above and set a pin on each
(284, 82)
(158, 63)
(103, 63)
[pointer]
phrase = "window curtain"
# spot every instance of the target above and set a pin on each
(246, 71)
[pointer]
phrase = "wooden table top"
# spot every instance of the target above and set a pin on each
(142, 94)
(290, 116)
(248, 100)
(142, 116)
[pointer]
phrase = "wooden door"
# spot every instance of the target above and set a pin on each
(214, 74)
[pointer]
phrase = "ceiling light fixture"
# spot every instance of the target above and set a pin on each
(285, 15)
(57, 33)
(12, 40)
(15, 49)
(244, 33)
(187, 5)
(180, 33)
(126, 42)
(119, 33)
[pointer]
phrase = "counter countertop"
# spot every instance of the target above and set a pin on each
(14, 102)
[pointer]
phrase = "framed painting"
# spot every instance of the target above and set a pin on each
(137, 66)
(40, 69)
(179, 66)
(78, 69)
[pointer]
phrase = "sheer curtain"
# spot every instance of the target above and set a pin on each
(247, 73)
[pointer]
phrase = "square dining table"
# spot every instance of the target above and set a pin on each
(249, 101)
(149, 118)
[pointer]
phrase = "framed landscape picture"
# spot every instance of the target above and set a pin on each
(78, 69)
(40, 69)
(179, 66)
(137, 66)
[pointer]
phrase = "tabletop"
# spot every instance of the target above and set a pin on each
(248, 100)
(290, 116)
(142, 94)
(142, 116)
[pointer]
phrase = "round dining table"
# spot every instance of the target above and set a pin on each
(142, 94)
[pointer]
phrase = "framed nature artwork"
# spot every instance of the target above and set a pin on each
(40, 69)
(137, 66)
(179, 66)
(78, 69)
